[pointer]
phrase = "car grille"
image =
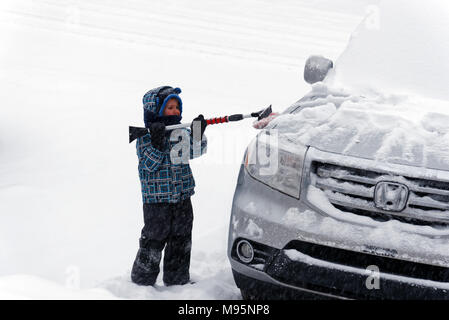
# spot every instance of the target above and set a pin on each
(352, 189)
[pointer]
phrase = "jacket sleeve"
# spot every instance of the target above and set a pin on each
(150, 157)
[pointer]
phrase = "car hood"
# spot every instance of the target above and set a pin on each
(371, 146)
(402, 130)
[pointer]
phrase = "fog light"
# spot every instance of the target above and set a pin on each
(245, 251)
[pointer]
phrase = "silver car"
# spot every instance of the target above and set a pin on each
(328, 225)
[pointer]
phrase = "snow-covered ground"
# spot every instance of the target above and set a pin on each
(72, 75)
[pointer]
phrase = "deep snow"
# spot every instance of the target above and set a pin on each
(403, 51)
(72, 76)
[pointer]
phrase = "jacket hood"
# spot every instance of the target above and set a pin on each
(154, 102)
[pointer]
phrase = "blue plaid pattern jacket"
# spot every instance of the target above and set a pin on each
(164, 180)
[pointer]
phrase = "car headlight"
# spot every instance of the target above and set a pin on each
(277, 161)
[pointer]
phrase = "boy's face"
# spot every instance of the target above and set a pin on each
(172, 108)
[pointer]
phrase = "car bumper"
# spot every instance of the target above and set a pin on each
(288, 279)
(265, 221)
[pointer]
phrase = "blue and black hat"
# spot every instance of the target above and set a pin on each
(167, 94)
(155, 100)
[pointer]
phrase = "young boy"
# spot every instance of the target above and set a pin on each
(167, 186)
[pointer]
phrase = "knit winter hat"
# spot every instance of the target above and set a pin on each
(155, 100)
(167, 94)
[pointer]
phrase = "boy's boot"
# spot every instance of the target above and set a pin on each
(146, 265)
(177, 261)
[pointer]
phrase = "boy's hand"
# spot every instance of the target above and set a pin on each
(157, 132)
(203, 124)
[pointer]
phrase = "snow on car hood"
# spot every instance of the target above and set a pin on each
(408, 130)
(401, 47)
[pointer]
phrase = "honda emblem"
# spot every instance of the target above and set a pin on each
(391, 196)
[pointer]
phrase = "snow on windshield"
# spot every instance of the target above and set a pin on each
(401, 47)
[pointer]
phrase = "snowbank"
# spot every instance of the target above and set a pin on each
(402, 46)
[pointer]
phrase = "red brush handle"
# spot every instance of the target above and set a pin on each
(217, 120)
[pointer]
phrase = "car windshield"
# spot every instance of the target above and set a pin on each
(402, 46)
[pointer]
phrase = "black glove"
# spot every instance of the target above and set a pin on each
(203, 126)
(157, 132)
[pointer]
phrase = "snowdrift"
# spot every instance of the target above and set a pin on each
(401, 47)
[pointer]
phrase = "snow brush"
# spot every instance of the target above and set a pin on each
(262, 120)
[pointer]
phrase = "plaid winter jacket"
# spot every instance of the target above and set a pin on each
(161, 179)
(165, 176)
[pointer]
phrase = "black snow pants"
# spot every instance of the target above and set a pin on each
(167, 225)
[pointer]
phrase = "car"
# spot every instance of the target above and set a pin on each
(344, 196)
